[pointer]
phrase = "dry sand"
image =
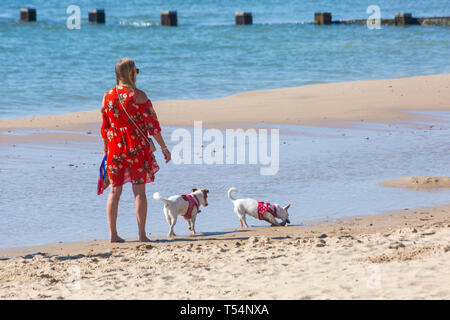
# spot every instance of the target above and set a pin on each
(419, 183)
(399, 255)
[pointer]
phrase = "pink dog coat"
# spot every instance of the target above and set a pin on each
(193, 201)
(264, 207)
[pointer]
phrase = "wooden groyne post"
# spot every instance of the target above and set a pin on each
(243, 18)
(169, 18)
(400, 19)
(27, 14)
(97, 16)
(321, 18)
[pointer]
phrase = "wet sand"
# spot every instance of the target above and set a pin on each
(323, 104)
(419, 183)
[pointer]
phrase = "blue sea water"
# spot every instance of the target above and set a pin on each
(49, 69)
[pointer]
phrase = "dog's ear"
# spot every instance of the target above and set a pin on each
(205, 190)
(194, 189)
(287, 207)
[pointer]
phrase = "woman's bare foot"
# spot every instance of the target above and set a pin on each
(116, 239)
(144, 239)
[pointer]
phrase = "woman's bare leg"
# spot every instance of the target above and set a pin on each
(141, 209)
(112, 207)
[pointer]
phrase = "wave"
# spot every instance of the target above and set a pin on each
(138, 23)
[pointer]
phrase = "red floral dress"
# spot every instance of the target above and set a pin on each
(129, 157)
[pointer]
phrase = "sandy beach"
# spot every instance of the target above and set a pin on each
(403, 254)
(398, 255)
(419, 183)
(332, 104)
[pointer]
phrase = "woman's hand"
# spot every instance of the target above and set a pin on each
(166, 154)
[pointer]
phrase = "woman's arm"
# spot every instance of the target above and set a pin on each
(163, 146)
(105, 147)
(141, 97)
(105, 126)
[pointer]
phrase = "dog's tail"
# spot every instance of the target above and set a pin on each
(157, 196)
(229, 193)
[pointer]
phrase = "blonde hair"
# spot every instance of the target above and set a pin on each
(123, 68)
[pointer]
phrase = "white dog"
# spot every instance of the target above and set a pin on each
(186, 205)
(259, 210)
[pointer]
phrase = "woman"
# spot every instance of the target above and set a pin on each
(129, 158)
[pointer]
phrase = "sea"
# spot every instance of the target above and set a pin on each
(49, 68)
(48, 191)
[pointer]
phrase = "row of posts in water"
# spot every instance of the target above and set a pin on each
(169, 18)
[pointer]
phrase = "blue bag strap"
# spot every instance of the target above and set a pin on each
(103, 169)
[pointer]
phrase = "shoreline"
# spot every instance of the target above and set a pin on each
(309, 226)
(382, 101)
(400, 254)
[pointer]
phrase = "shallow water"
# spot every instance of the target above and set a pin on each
(50, 69)
(324, 173)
